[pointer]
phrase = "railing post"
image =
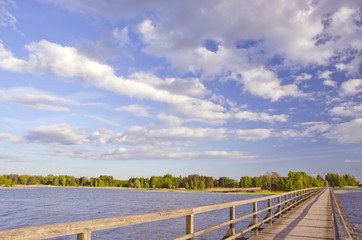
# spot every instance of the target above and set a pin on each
(270, 212)
(279, 206)
(232, 217)
(190, 224)
(84, 235)
(255, 218)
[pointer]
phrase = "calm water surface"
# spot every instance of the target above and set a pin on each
(27, 207)
(352, 205)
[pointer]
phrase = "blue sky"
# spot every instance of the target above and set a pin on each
(217, 88)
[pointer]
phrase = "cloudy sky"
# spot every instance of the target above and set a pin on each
(217, 88)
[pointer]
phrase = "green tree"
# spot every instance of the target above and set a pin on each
(201, 185)
(246, 182)
(31, 181)
(255, 182)
(24, 179)
(63, 180)
(6, 182)
(137, 183)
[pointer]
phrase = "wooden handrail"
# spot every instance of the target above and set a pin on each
(83, 229)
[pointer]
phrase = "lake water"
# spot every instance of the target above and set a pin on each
(352, 205)
(27, 207)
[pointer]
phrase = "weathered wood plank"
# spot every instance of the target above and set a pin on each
(311, 220)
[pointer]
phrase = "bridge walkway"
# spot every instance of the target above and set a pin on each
(310, 220)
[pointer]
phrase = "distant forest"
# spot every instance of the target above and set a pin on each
(271, 181)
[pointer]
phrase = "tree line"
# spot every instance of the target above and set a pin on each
(271, 181)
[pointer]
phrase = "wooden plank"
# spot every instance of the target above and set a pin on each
(310, 220)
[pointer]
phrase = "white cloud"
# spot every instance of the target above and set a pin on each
(290, 133)
(265, 83)
(330, 83)
(107, 121)
(121, 35)
(352, 67)
(9, 62)
(313, 128)
(134, 109)
(6, 18)
(179, 133)
(347, 109)
(352, 161)
(101, 136)
(351, 87)
(325, 74)
(253, 134)
(181, 86)
(67, 62)
(346, 133)
(156, 153)
(60, 134)
(10, 138)
(303, 77)
(262, 117)
(74, 152)
(10, 158)
(32, 98)
(310, 129)
(168, 120)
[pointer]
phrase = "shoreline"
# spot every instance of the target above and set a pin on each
(181, 190)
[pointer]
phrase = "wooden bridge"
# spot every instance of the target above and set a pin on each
(303, 214)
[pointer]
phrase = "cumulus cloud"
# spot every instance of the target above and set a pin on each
(68, 63)
(260, 117)
(266, 84)
(304, 32)
(325, 74)
(330, 83)
(351, 87)
(347, 109)
(180, 86)
(346, 133)
(303, 77)
(59, 134)
(309, 130)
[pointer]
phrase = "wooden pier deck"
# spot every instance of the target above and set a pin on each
(311, 220)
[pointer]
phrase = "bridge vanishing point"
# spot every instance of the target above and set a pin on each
(313, 213)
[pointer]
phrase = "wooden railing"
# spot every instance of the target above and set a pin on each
(83, 229)
(342, 230)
